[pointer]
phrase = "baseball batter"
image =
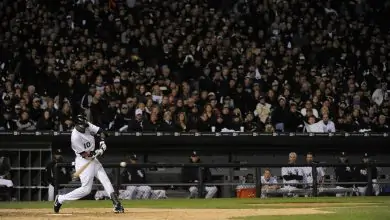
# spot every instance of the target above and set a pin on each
(83, 144)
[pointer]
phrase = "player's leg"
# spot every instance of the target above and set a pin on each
(376, 187)
(100, 194)
(50, 193)
(211, 191)
(145, 192)
(86, 178)
(193, 192)
(158, 194)
(362, 190)
(105, 181)
(124, 195)
(132, 191)
(338, 194)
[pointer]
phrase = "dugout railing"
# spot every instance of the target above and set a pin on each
(315, 190)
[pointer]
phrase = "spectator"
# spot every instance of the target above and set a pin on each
(7, 123)
(66, 117)
(294, 119)
(181, 122)
(280, 114)
(309, 106)
(137, 124)
(24, 123)
(153, 124)
(122, 119)
(328, 126)
(45, 123)
(36, 111)
(86, 60)
(263, 109)
(167, 123)
(382, 125)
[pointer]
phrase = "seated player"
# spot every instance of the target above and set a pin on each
(308, 173)
(268, 183)
(344, 174)
(64, 175)
(361, 175)
(190, 175)
(135, 175)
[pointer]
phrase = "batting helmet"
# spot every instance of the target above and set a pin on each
(81, 120)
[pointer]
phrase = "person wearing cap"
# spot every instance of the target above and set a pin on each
(137, 175)
(64, 176)
(6, 123)
(191, 175)
(137, 124)
(361, 175)
(344, 174)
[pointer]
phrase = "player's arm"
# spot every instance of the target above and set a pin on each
(98, 132)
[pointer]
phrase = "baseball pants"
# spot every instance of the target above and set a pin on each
(134, 192)
(343, 194)
(375, 189)
(210, 191)
(7, 183)
(95, 169)
(286, 190)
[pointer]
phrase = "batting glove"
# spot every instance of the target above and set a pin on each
(103, 145)
(99, 152)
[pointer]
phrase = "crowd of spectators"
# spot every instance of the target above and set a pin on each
(189, 65)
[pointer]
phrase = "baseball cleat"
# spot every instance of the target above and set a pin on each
(57, 205)
(119, 208)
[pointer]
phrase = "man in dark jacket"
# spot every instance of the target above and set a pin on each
(191, 175)
(6, 123)
(361, 175)
(64, 175)
(344, 174)
(280, 115)
(137, 124)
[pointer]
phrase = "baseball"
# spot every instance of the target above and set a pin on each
(123, 164)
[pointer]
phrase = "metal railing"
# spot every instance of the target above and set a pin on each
(201, 184)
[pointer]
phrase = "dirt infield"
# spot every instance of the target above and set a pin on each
(150, 214)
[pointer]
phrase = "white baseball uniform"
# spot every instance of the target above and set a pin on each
(291, 184)
(308, 175)
(86, 142)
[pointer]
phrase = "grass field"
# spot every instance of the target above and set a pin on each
(350, 208)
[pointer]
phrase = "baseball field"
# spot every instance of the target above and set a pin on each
(353, 208)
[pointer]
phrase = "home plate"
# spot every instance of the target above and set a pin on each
(66, 214)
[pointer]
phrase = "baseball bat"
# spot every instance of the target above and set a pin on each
(78, 172)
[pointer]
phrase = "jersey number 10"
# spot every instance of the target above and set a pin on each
(87, 145)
